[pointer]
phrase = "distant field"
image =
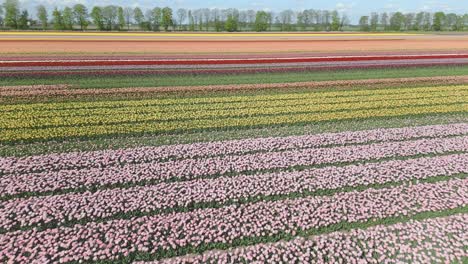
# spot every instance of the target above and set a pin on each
(62, 42)
(213, 148)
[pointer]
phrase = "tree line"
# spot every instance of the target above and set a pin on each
(112, 17)
(422, 21)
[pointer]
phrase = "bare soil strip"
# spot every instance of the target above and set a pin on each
(65, 90)
(230, 46)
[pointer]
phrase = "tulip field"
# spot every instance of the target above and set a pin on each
(234, 158)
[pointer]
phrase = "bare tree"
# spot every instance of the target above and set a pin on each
(242, 19)
(128, 14)
(206, 17)
(286, 19)
(181, 16)
(251, 14)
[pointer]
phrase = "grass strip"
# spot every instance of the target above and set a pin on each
(190, 80)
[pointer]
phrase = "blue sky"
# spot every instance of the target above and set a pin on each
(354, 8)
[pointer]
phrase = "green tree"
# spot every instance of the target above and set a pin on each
(364, 23)
(12, 13)
(438, 22)
(191, 21)
(96, 16)
(67, 16)
(231, 23)
(42, 16)
(128, 13)
(301, 17)
(384, 21)
(344, 21)
(121, 18)
(409, 20)
(397, 21)
(157, 17)
(23, 21)
(427, 21)
(459, 24)
(1, 16)
(80, 14)
(418, 22)
(166, 21)
(374, 21)
(450, 22)
(335, 25)
(261, 21)
(109, 15)
(139, 17)
(465, 22)
(57, 19)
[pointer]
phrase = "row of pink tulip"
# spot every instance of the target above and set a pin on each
(60, 209)
(195, 168)
(437, 240)
(113, 239)
(105, 158)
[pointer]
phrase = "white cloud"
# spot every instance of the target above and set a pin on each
(432, 6)
(344, 7)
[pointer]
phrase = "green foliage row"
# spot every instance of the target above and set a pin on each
(113, 17)
(130, 141)
(148, 125)
(422, 21)
(251, 78)
(155, 110)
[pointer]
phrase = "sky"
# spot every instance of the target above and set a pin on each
(353, 8)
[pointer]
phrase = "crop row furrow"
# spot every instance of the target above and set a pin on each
(223, 226)
(71, 208)
(181, 170)
(106, 158)
(223, 106)
(30, 134)
(156, 115)
(436, 240)
(224, 99)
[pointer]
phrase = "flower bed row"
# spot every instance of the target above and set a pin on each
(153, 114)
(63, 209)
(271, 102)
(245, 103)
(227, 225)
(41, 134)
(230, 99)
(438, 240)
(136, 73)
(106, 158)
(228, 61)
(196, 168)
(63, 90)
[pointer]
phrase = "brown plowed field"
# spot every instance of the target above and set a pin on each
(434, 43)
